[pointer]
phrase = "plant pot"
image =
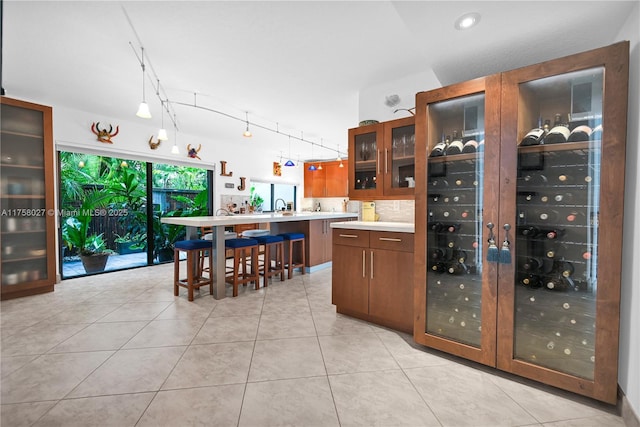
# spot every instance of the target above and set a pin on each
(165, 254)
(124, 248)
(94, 263)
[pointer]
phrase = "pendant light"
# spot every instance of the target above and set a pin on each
(289, 162)
(339, 159)
(247, 133)
(162, 133)
(175, 149)
(143, 109)
(312, 167)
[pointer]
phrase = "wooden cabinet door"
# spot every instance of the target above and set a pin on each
(336, 178)
(350, 279)
(308, 180)
(390, 287)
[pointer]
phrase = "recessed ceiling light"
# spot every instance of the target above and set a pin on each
(467, 21)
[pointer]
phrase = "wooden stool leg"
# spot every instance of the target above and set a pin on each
(210, 273)
(176, 272)
(280, 253)
(304, 261)
(190, 274)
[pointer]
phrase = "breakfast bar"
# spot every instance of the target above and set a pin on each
(218, 224)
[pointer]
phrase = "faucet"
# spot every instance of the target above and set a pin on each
(284, 204)
(223, 212)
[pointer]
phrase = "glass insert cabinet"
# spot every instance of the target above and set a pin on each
(519, 201)
(382, 160)
(27, 223)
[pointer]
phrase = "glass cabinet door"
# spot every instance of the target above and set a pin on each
(364, 161)
(399, 157)
(557, 205)
(459, 294)
(562, 150)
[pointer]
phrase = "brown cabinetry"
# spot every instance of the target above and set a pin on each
(382, 160)
(330, 181)
(27, 226)
(520, 268)
(372, 276)
(318, 236)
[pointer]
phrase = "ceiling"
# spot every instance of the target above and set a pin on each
(294, 66)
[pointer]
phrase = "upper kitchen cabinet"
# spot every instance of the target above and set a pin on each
(27, 229)
(330, 181)
(382, 160)
(521, 263)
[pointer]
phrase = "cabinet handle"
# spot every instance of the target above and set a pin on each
(349, 236)
(386, 163)
(378, 162)
(389, 239)
(364, 268)
(372, 264)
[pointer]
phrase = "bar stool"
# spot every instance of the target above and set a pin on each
(293, 238)
(273, 247)
(195, 249)
(240, 247)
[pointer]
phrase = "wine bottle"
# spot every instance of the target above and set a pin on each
(470, 146)
(459, 198)
(557, 134)
(563, 198)
(575, 216)
(449, 213)
(446, 199)
(437, 254)
(531, 281)
(550, 253)
(439, 183)
(566, 269)
(456, 145)
(565, 179)
(452, 228)
(460, 255)
(529, 231)
(533, 137)
(596, 134)
(547, 126)
(560, 284)
(459, 182)
(456, 268)
(554, 234)
(480, 146)
(544, 198)
(547, 215)
(465, 214)
(580, 133)
(438, 267)
(532, 264)
(529, 196)
(536, 179)
(435, 226)
(439, 150)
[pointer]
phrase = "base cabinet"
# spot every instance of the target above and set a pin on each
(318, 235)
(373, 275)
(522, 220)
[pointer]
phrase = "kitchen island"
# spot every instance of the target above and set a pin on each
(275, 220)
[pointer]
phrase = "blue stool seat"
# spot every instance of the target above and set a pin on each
(291, 263)
(265, 240)
(243, 250)
(273, 251)
(196, 252)
(239, 243)
(292, 236)
(188, 245)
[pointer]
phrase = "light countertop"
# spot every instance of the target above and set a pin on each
(208, 221)
(401, 227)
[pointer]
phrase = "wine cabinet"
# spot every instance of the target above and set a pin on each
(27, 226)
(519, 233)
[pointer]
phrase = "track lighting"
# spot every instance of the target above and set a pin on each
(289, 162)
(162, 133)
(175, 149)
(247, 133)
(143, 108)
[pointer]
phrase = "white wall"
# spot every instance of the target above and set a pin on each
(629, 360)
(244, 156)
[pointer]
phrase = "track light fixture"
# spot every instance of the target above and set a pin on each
(175, 149)
(143, 108)
(162, 133)
(247, 133)
(289, 162)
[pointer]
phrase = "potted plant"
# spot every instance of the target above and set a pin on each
(75, 232)
(130, 243)
(255, 200)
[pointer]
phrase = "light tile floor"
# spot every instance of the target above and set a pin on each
(120, 350)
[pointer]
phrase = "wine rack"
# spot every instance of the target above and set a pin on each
(454, 191)
(556, 245)
(539, 295)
